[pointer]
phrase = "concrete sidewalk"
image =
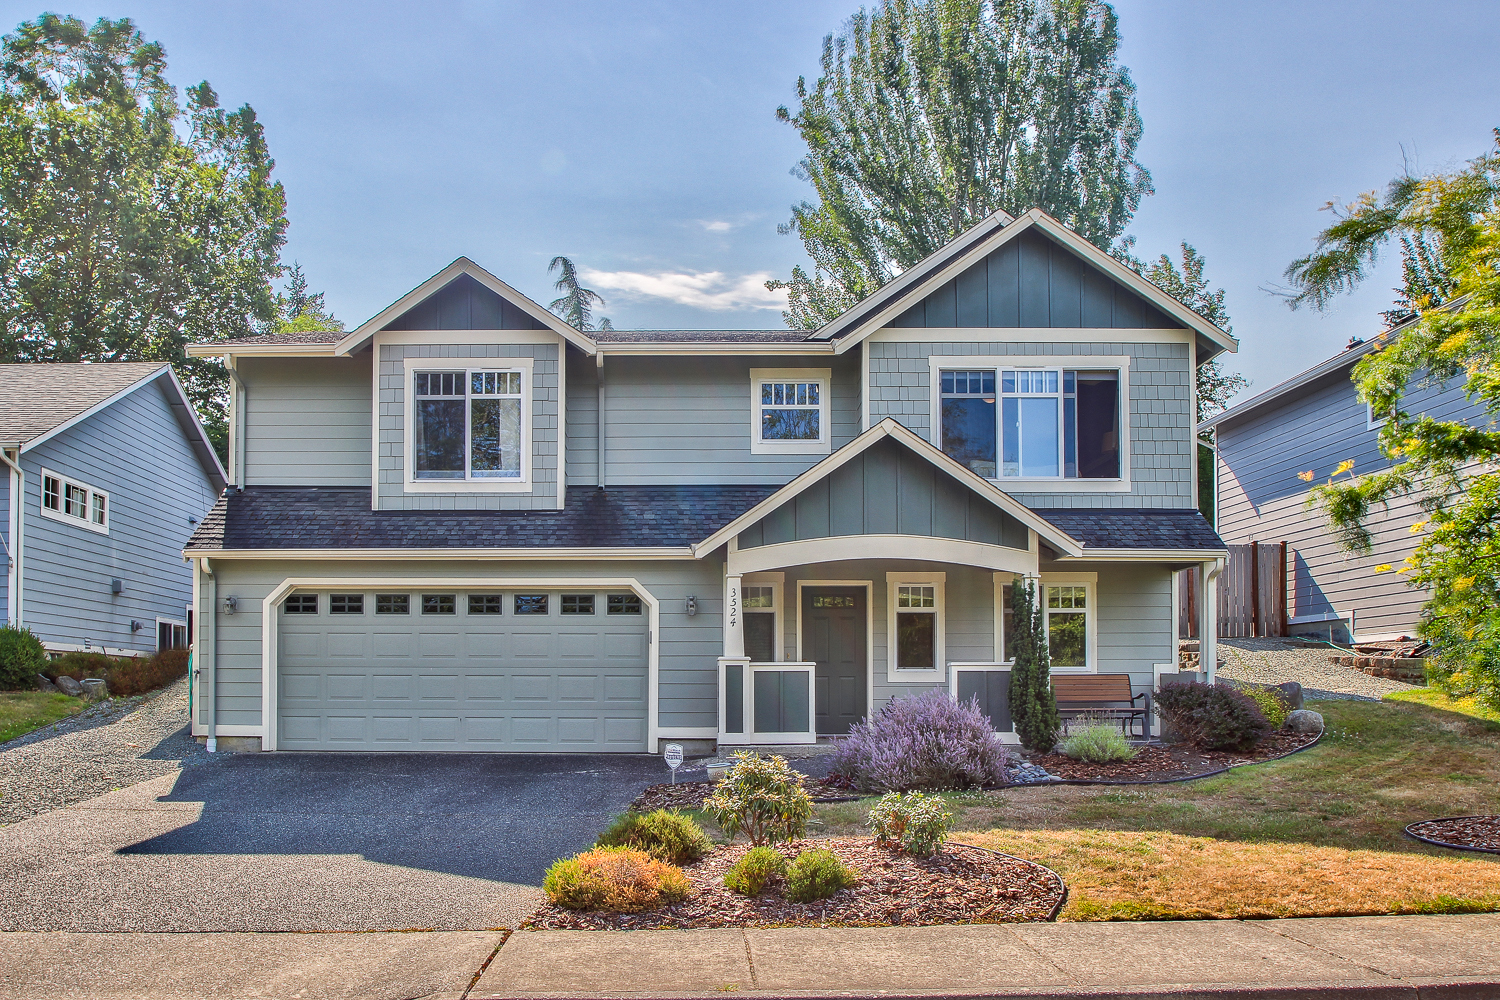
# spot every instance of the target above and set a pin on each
(1448, 957)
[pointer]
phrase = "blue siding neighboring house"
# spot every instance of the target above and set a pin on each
(108, 471)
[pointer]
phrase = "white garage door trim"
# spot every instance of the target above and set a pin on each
(269, 637)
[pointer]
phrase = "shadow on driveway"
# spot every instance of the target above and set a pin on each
(503, 817)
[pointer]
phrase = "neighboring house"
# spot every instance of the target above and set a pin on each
(467, 526)
(1312, 422)
(107, 472)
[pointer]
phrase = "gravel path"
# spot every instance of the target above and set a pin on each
(112, 745)
(1275, 661)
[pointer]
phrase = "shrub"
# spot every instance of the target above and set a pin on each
(751, 873)
(1270, 703)
(21, 658)
(1212, 715)
(125, 675)
(915, 823)
(1033, 705)
(762, 798)
(666, 836)
(619, 879)
(1099, 742)
(817, 875)
(926, 741)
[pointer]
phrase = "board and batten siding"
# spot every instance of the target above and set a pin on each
(672, 421)
(1261, 499)
(690, 645)
(1160, 415)
(307, 421)
(136, 451)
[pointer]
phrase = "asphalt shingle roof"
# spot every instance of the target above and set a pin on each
(1115, 528)
(699, 336)
(276, 339)
(284, 517)
(36, 398)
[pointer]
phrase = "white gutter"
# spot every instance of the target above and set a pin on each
(17, 504)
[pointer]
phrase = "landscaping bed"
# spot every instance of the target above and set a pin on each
(1463, 833)
(689, 795)
(1171, 762)
(959, 885)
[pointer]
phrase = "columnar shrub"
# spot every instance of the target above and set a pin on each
(1214, 716)
(817, 875)
(21, 658)
(913, 822)
(1033, 706)
(751, 873)
(1098, 742)
(619, 879)
(762, 798)
(924, 741)
(666, 836)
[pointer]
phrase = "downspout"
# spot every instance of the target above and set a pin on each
(207, 637)
(17, 522)
(599, 392)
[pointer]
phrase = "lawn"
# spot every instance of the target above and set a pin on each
(1318, 833)
(23, 711)
(1433, 698)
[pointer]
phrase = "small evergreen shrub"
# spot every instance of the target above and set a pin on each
(1214, 716)
(1033, 704)
(1099, 742)
(913, 822)
(817, 875)
(21, 658)
(666, 836)
(927, 741)
(1270, 703)
(617, 879)
(751, 873)
(762, 798)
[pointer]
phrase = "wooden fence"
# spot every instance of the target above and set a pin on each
(1252, 593)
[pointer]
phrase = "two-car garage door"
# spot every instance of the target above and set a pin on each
(533, 671)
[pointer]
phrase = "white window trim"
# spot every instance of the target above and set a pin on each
(777, 583)
(1002, 584)
(1371, 424)
(824, 378)
(1090, 584)
(939, 672)
(409, 412)
(57, 515)
(182, 624)
(996, 362)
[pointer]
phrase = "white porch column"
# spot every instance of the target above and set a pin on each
(1208, 629)
(734, 618)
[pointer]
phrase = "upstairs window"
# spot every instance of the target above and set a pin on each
(68, 499)
(789, 411)
(1033, 423)
(468, 425)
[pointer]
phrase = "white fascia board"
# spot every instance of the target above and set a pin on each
(440, 555)
(463, 265)
(212, 350)
(821, 347)
(1146, 555)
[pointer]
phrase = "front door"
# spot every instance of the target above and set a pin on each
(834, 634)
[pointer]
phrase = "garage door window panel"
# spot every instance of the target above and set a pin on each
(346, 604)
(439, 604)
(302, 604)
(578, 604)
(531, 604)
(624, 604)
(392, 604)
(486, 604)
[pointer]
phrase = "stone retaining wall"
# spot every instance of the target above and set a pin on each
(1411, 669)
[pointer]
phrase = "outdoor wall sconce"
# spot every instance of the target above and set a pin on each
(115, 586)
(231, 604)
(136, 626)
(692, 606)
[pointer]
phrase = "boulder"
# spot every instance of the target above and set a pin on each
(1303, 721)
(43, 684)
(69, 686)
(1291, 693)
(95, 689)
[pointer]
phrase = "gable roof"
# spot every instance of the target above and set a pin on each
(356, 339)
(890, 428)
(40, 401)
(893, 298)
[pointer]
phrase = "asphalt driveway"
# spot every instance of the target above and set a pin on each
(303, 841)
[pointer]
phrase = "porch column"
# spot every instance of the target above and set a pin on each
(734, 618)
(1208, 619)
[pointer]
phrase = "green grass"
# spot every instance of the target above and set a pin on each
(23, 711)
(1433, 698)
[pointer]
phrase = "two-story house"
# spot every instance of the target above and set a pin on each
(466, 525)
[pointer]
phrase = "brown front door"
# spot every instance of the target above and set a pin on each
(834, 636)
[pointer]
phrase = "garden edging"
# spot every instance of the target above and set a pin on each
(1168, 781)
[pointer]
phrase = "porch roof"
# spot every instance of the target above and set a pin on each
(1177, 530)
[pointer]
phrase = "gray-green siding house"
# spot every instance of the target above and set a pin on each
(106, 473)
(467, 526)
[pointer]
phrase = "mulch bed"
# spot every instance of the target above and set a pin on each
(960, 885)
(1465, 833)
(1166, 763)
(690, 795)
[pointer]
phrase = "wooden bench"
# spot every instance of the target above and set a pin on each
(1105, 696)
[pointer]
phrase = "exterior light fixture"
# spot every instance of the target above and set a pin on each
(692, 606)
(231, 604)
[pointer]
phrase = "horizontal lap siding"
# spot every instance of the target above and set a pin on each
(136, 451)
(583, 420)
(1162, 449)
(307, 421)
(5, 475)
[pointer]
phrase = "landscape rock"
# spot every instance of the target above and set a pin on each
(95, 689)
(1291, 692)
(43, 684)
(1303, 721)
(69, 686)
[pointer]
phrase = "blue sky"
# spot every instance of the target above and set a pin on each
(641, 139)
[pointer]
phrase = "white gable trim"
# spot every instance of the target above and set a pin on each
(1050, 533)
(432, 285)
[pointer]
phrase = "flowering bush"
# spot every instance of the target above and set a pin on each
(927, 741)
(817, 875)
(1098, 742)
(619, 879)
(751, 873)
(1212, 715)
(762, 798)
(666, 836)
(917, 824)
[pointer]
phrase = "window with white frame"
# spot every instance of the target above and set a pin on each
(759, 605)
(1373, 422)
(789, 411)
(1033, 423)
(468, 424)
(916, 625)
(1067, 608)
(73, 501)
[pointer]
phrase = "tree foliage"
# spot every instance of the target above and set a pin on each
(1189, 286)
(930, 115)
(130, 224)
(1449, 466)
(1033, 706)
(298, 310)
(576, 304)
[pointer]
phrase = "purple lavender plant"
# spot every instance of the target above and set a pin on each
(928, 741)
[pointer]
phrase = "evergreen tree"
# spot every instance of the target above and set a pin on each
(576, 304)
(301, 311)
(1033, 706)
(1189, 286)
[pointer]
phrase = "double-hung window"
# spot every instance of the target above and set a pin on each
(1032, 423)
(68, 499)
(916, 626)
(789, 411)
(469, 425)
(1067, 609)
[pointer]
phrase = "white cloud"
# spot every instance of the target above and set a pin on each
(717, 226)
(702, 289)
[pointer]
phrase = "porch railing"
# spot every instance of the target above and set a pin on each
(766, 703)
(989, 683)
